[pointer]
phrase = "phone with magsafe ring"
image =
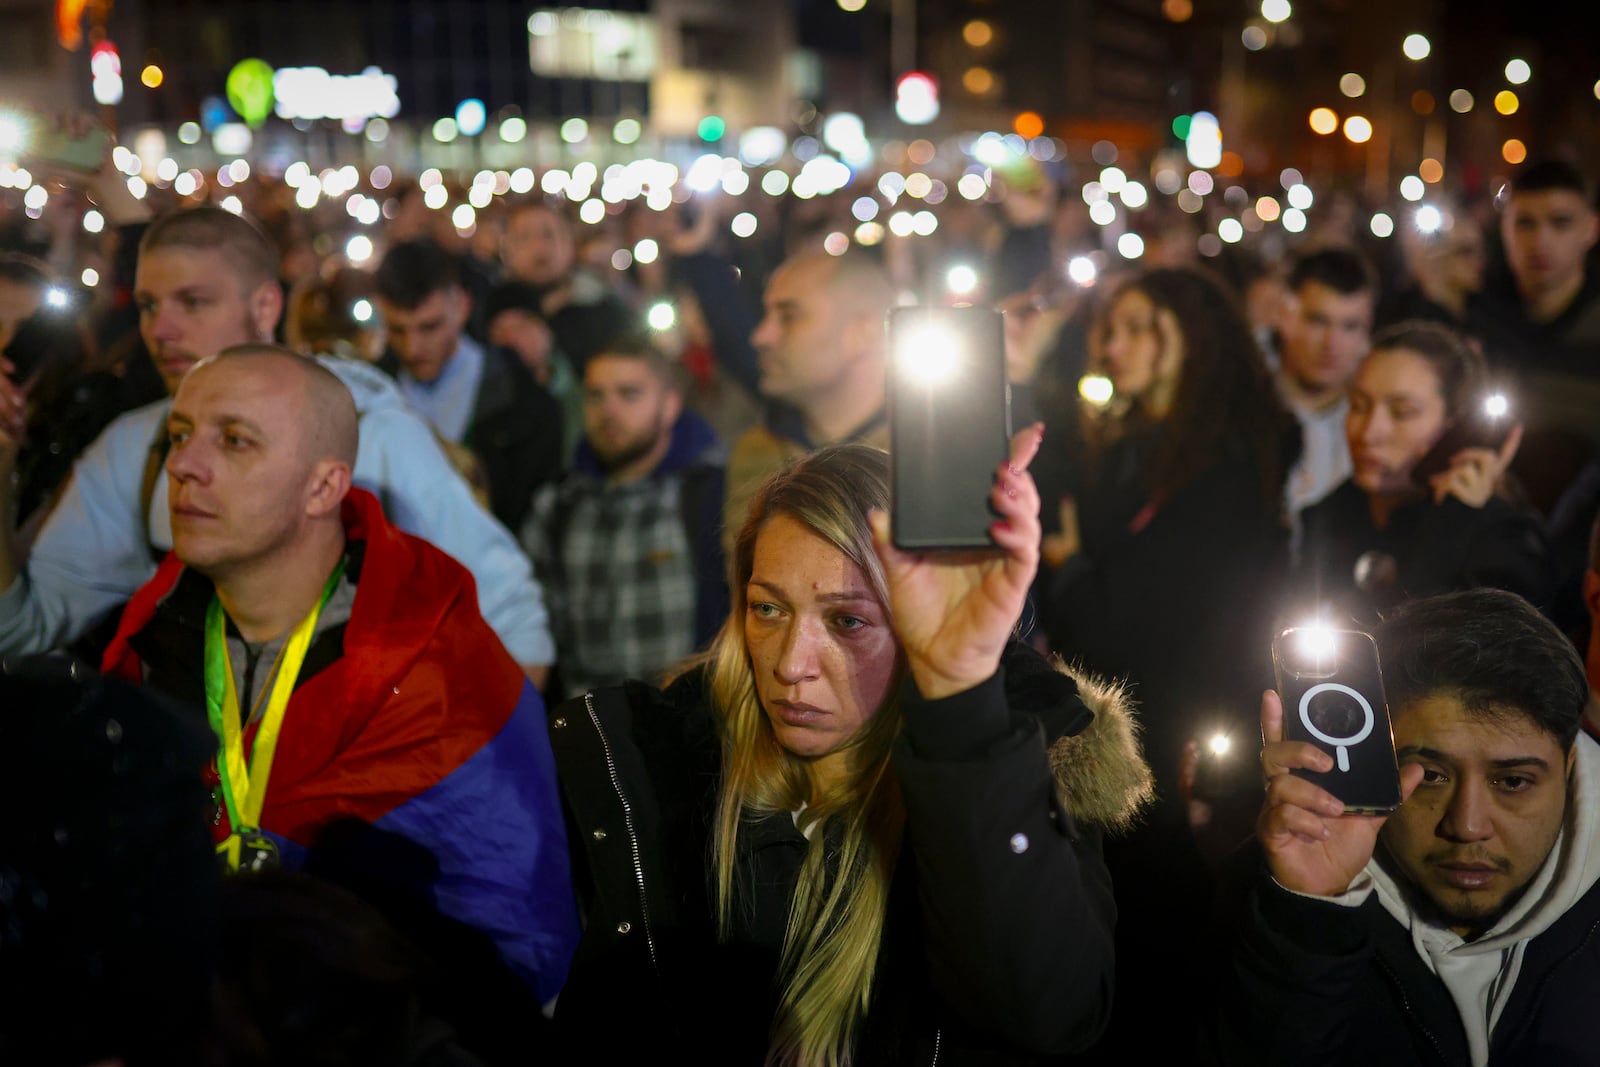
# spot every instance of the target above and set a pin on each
(1332, 688)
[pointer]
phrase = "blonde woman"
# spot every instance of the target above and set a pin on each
(865, 827)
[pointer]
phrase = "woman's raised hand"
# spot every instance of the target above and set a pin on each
(954, 611)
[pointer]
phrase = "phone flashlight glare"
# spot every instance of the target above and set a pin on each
(1316, 643)
(1496, 406)
(1096, 389)
(13, 133)
(661, 316)
(56, 297)
(1220, 744)
(929, 355)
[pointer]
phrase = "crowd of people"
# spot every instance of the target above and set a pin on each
(439, 661)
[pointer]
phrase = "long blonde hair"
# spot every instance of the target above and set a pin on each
(830, 946)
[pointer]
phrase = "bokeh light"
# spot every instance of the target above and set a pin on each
(1416, 47)
(1514, 151)
(1352, 85)
(1506, 102)
(1324, 120)
(1358, 129)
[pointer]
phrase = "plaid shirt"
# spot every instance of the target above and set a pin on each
(620, 584)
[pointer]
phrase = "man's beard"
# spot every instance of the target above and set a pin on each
(630, 451)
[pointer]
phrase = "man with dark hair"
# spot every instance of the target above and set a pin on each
(627, 545)
(205, 282)
(1549, 311)
(513, 316)
(343, 665)
(1459, 929)
(540, 249)
(482, 398)
(1326, 328)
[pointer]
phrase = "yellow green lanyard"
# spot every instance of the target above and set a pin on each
(244, 778)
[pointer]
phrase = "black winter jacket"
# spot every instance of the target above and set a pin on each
(997, 943)
(1312, 983)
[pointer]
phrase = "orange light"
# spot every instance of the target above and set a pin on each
(1422, 102)
(1513, 151)
(921, 151)
(1430, 171)
(1324, 121)
(1232, 165)
(977, 33)
(1268, 209)
(978, 80)
(152, 77)
(1177, 10)
(1029, 124)
(1506, 102)
(1358, 129)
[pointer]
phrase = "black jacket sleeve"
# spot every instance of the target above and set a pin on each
(1015, 900)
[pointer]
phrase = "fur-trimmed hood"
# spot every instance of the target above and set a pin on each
(1101, 775)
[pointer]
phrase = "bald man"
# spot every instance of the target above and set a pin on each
(343, 664)
(823, 369)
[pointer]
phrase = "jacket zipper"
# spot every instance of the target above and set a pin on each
(1405, 1002)
(627, 820)
(938, 1039)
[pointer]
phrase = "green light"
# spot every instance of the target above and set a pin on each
(1180, 127)
(712, 128)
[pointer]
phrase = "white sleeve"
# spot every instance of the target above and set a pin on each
(91, 554)
(401, 464)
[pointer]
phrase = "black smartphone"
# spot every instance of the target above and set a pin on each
(1332, 689)
(1486, 425)
(949, 424)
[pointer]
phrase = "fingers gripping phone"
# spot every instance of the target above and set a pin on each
(949, 424)
(1486, 425)
(1332, 689)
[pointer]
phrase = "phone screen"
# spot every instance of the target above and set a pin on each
(1332, 689)
(949, 423)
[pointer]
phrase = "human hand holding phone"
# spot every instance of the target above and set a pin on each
(1474, 473)
(1311, 845)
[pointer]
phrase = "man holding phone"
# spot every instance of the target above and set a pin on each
(1460, 928)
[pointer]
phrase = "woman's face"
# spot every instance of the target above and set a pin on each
(820, 643)
(1137, 354)
(1397, 412)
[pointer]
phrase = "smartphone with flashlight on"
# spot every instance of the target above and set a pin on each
(1486, 424)
(1332, 689)
(949, 424)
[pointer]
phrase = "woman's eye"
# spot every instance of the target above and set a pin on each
(851, 622)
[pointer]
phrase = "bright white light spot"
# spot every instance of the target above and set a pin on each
(554, 181)
(743, 224)
(361, 310)
(1352, 85)
(1317, 643)
(1382, 225)
(1130, 246)
(90, 277)
(1416, 47)
(184, 184)
(901, 224)
(1275, 10)
(592, 212)
(13, 134)
(56, 297)
(471, 117)
(444, 131)
(167, 169)
(430, 177)
(574, 131)
(233, 204)
(924, 223)
(774, 183)
(1231, 230)
(1081, 270)
(437, 197)
(1299, 196)
(990, 150)
(137, 187)
(836, 244)
(189, 133)
(522, 180)
(93, 221)
(1429, 219)
(358, 249)
(1518, 72)
(1220, 744)
(1203, 146)
(1112, 179)
(646, 251)
(929, 355)
(1096, 389)
(661, 316)
(1201, 183)
(735, 183)
(961, 280)
(865, 209)
(1103, 213)
(972, 186)
(869, 234)
(1496, 406)
(626, 131)
(1135, 195)
(1412, 188)
(1294, 220)
(480, 196)
(463, 217)
(513, 130)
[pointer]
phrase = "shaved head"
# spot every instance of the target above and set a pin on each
(330, 423)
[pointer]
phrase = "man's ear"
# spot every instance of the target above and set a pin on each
(460, 307)
(330, 484)
(266, 307)
(1591, 594)
(1594, 230)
